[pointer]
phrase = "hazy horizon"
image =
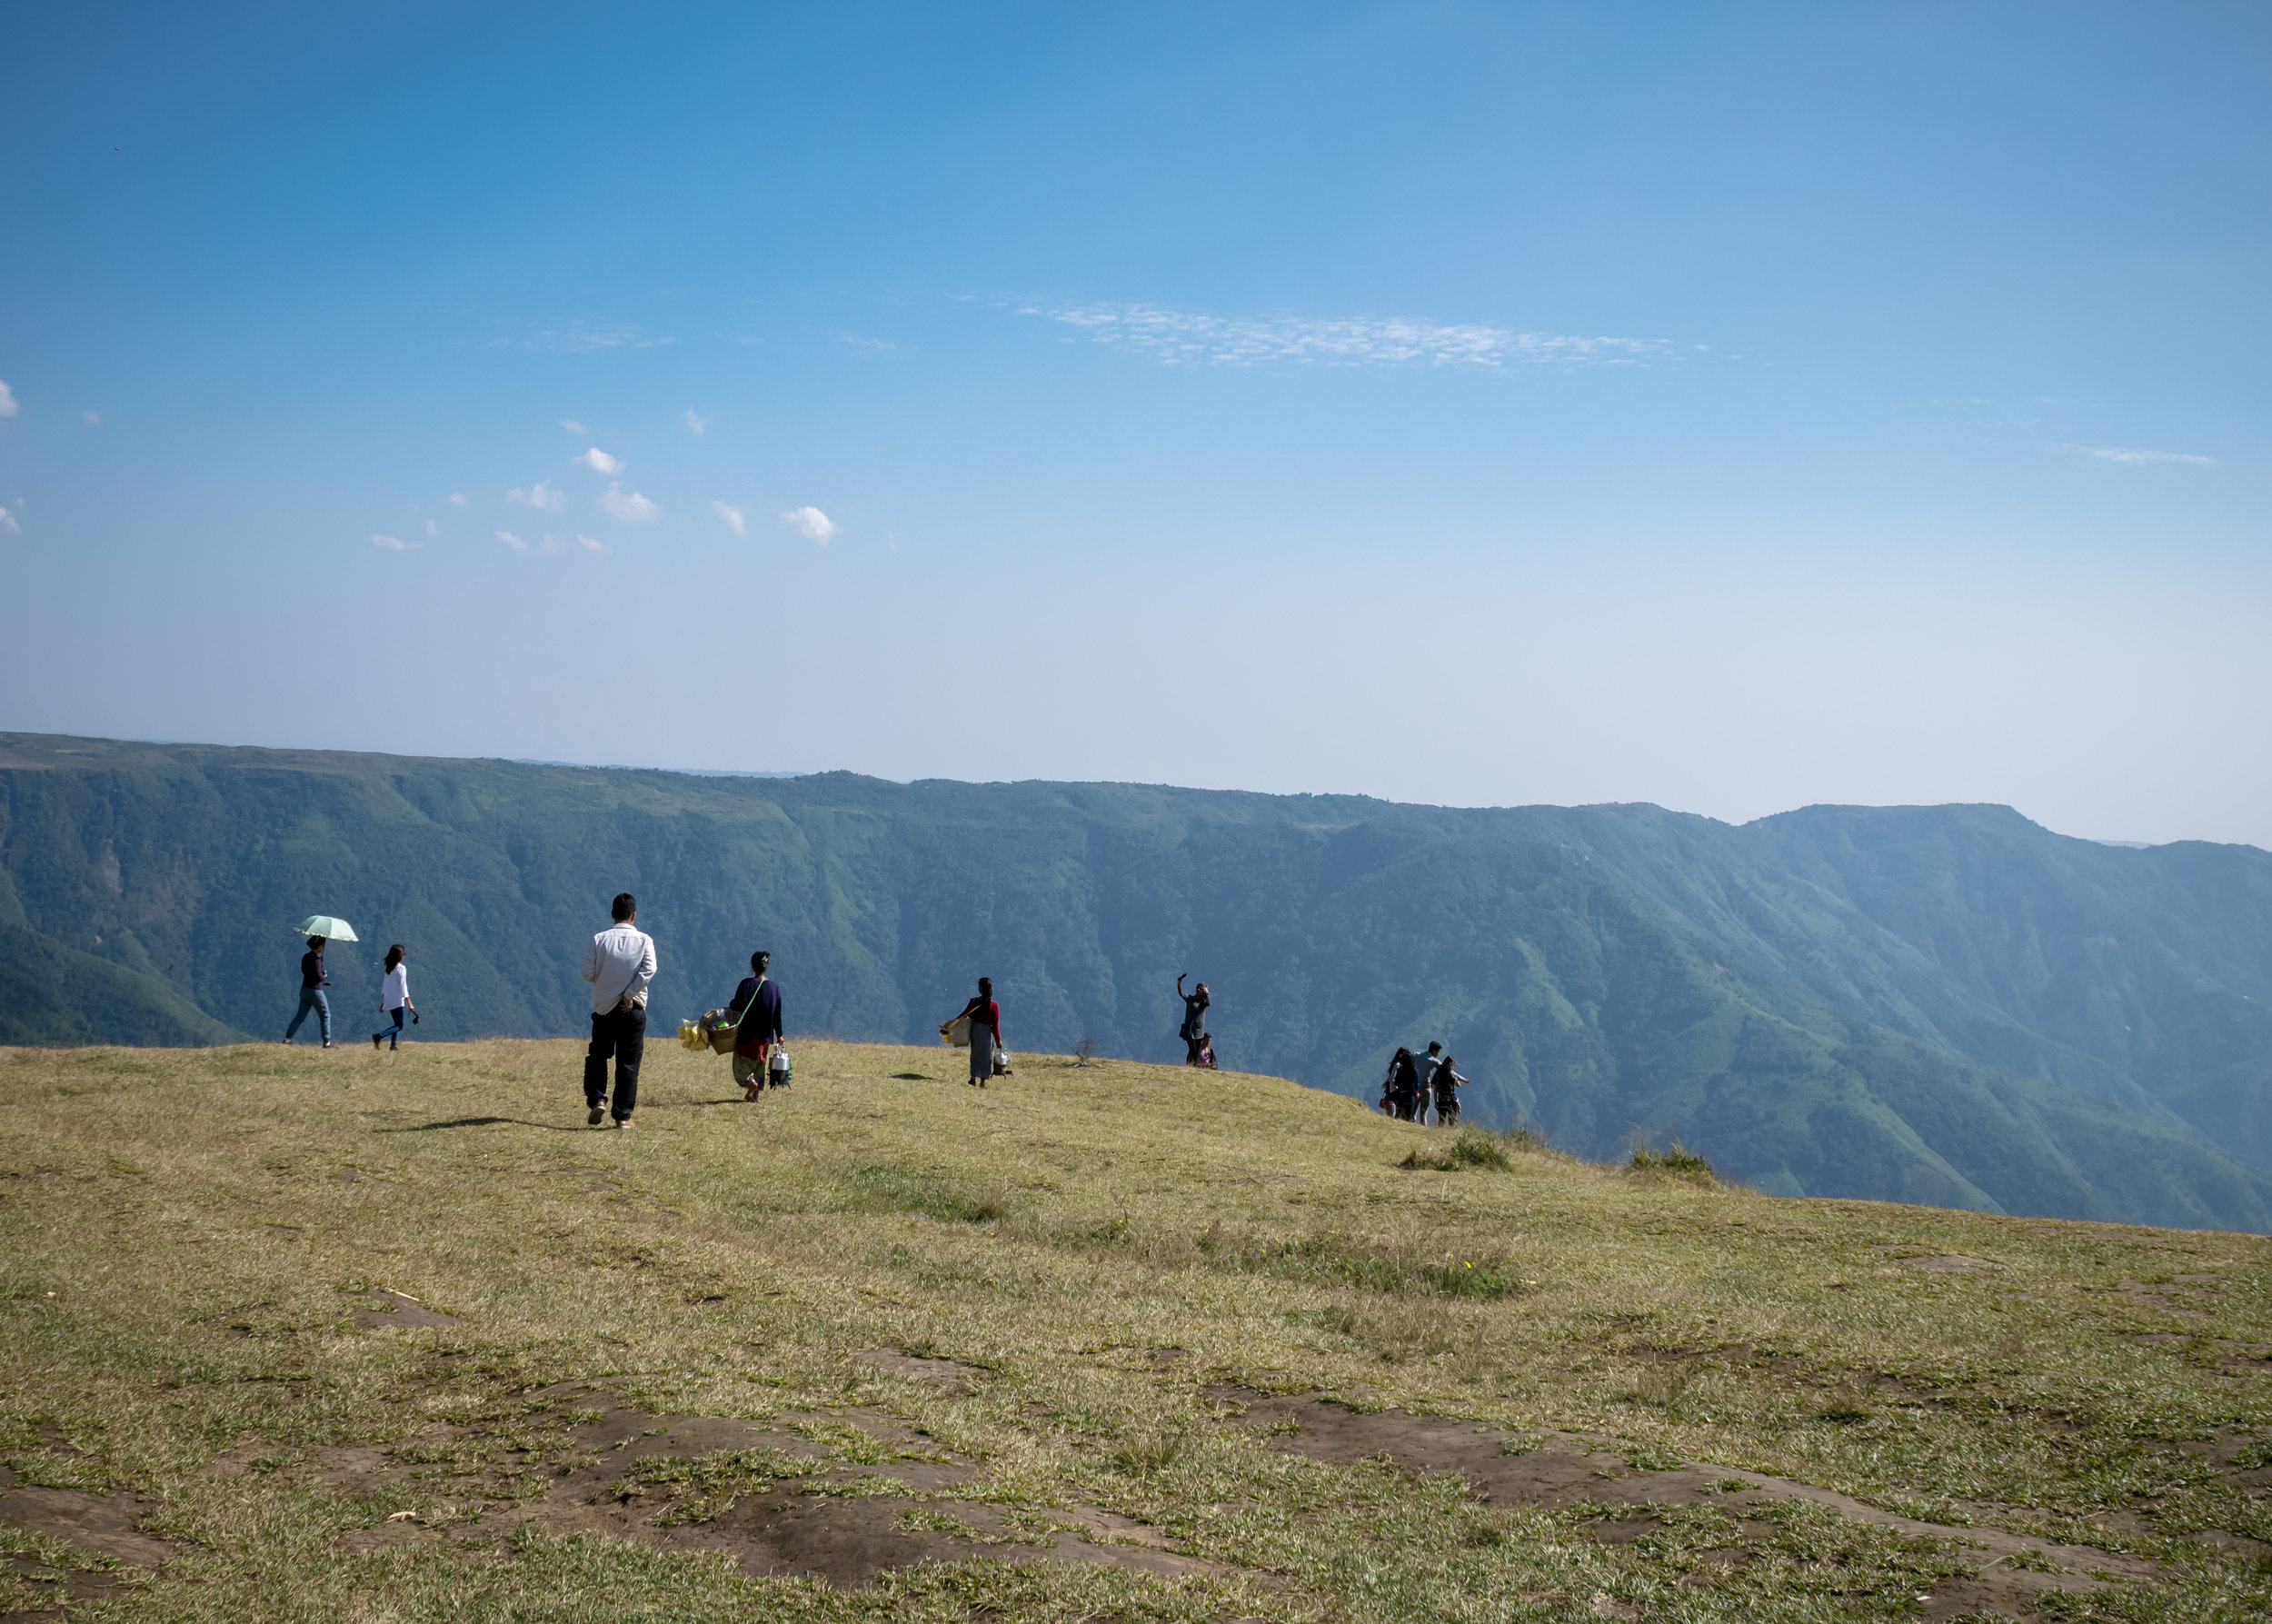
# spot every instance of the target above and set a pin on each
(763, 772)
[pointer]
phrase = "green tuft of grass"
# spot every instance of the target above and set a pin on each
(1676, 1160)
(889, 1189)
(1473, 1148)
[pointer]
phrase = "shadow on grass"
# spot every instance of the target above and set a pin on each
(486, 1122)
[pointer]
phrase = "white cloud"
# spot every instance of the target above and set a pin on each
(552, 545)
(696, 421)
(811, 523)
(393, 543)
(9, 404)
(457, 499)
(2140, 459)
(433, 528)
(628, 506)
(575, 428)
(1181, 336)
(591, 546)
(584, 338)
(92, 415)
(733, 517)
(8, 527)
(513, 541)
(538, 495)
(599, 462)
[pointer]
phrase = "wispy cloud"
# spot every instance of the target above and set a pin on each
(2140, 459)
(458, 499)
(433, 528)
(8, 527)
(1184, 336)
(9, 404)
(538, 495)
(599, 462)
(811, 523)
(575, 428)
(695, 421)
(513, 541)
(92, 415)
(584, 338)
(733, 517)
(393, 543)
(628, 506)
(859, 342)
(591, 546)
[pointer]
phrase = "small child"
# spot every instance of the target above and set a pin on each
(1206, 1060)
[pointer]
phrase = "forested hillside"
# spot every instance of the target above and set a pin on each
(1943, 1004)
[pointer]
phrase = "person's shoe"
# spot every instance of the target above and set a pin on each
(328, 1042)
(374, 1041)
(623, 1122)
(596, 1115)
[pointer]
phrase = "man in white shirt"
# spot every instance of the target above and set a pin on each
(619, 965)
(1428, 1064)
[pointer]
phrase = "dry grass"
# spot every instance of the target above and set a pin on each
(186, 1235)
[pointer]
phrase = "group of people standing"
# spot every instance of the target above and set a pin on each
(316, 981)
(620, 965)
(1414, 1082)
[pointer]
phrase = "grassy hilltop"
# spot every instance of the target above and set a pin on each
(291, 1335)
(1945, 1004)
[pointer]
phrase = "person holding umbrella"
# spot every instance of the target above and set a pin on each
(313, 977)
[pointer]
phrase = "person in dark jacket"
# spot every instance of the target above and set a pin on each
(1444, 1082)
(1403, 1088)
(313, 978)
(753, 1040)
(1195, 1004)
(985, 1018)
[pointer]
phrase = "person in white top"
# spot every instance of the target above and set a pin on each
(619, 965)
(393, 1000)
(1428, 1064)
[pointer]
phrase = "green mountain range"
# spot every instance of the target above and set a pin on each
(1945, 1004)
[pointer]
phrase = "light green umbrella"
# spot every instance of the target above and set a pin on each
(324, 925)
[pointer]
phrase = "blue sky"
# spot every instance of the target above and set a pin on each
(1732, 407)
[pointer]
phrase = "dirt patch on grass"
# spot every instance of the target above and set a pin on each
(953, 1379)
(104, 1528)
(845, 1495)
(1567, 1471)
(393, 1308)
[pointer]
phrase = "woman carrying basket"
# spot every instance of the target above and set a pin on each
(985, 1018)
(757, 1004)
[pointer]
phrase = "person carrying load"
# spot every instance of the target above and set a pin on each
(756, 1008)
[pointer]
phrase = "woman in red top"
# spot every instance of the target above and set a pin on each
(985, 1018)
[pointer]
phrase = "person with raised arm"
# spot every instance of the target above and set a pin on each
(1195, 1004)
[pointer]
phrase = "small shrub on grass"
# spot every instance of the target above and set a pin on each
(1152, 1448)
(1676, 1160)
(1471, 1149)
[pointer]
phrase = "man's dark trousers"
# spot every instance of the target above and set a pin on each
(623, 1035)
